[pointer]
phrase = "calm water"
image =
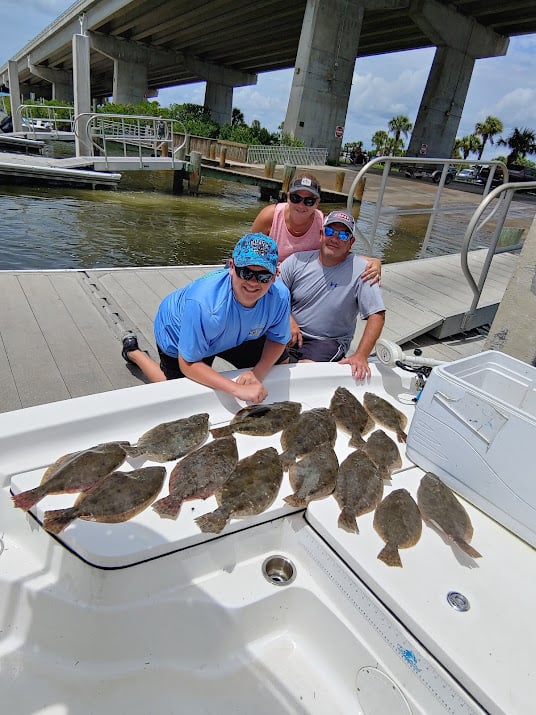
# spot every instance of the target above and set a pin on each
(46, 228)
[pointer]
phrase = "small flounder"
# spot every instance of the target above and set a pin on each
(310, 428)
(386, 414)
(359, 489)
(171, 440)
(384, 453)
(260, 420)
(398, 522)
(117, 498)
(314, 476)
(350, 415)
(251, 488)
(439, 507)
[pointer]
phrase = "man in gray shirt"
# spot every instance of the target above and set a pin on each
(327, 295)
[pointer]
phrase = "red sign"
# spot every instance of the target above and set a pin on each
(339, 131)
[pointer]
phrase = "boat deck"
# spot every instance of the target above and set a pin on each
(61, 330)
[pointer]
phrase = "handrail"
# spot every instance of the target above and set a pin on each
(412, 161)
(30, 111)
(508, 190)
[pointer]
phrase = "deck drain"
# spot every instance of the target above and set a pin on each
(278, 570)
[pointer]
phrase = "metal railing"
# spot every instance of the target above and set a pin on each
(410, 165)
(505, 194)
(260, 154)
(39, 118)
(113, 135)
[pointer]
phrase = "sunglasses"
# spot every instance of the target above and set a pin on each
(246, 274)
(307, 200)
(343, 235)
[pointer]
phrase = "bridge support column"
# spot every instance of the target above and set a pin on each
(82, 92)
(460, 40)
(130, 82)
(62, 82)
(323, 73)
(219, 101)
(14, 94)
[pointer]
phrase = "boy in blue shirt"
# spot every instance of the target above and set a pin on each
(222, 314)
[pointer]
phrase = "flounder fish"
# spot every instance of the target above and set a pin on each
(171, 440)
(309, 429)
(314, 476)
(398, 521)
(75, 472)
(260, 420)
(359, 489)
(350, 415)
(251, 488)
(384, 453)
(439, 507)
(386, 414)
(198, 475)
(117, 498)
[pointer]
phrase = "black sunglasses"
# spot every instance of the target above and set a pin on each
(307, 200)
(246, 274)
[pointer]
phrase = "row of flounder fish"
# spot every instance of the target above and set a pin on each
(248, 486)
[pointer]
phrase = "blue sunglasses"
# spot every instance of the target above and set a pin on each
(343, 235)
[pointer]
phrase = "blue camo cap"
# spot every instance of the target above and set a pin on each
(256, 249)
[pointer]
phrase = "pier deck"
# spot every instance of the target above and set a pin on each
(60, 331)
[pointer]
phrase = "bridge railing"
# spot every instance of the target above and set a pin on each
(260, 154)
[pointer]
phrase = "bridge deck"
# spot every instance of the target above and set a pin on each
(60, 331)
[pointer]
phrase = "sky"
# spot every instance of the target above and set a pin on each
(383, 86)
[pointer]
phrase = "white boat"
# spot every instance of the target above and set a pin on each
(284, 612)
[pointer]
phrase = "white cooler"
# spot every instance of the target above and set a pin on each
(475, 427)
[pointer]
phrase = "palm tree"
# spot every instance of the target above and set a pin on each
(521, 142)
(467, 145)
(380, 140)
(487, 130)
(237, 117)
(400, 125)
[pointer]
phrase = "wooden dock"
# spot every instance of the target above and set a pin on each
(61, 330)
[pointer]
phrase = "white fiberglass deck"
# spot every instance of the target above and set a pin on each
(199, 629)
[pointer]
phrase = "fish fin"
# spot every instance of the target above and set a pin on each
(25, 500)
(468, 549)
(389, 555)
(347, 521)
(213, 522)
(295, 500)
(217, 432)
(168, 507)
(56, 521)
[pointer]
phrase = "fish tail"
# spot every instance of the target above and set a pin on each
(401, 435)
(56, 521)
(469, 550)
(168, 507)
(131, 450)
(295, 500)
(357, 441)
(347, 521)
(213, 522)
(217, 432)
(390, 556)
(25, 500)
(286, 460)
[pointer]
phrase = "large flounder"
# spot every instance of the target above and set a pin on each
(171, 440)
(386, 414)
(350, 415)
(117, 498)
(359, 489)
(384, 453)
(311, 428)
(260, 420)
(251, 488)
(75, 472)
(439, 507)
(198, 475)
(314, 476)
(398, 521)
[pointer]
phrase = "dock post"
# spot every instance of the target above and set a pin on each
(269, 168)
(212, 150)
(288, 175)
(223, 156)
(358, 197)
(194, 178)
(339, 180)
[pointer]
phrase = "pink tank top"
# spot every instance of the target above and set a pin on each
(287, 243)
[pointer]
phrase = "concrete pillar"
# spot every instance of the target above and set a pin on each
(62, 81)
(219, 101)
(323, 73)
(14, 94)
(459, 40)
(130, 82)
(82, 91)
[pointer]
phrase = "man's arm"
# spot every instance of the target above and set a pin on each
(249, 390)
(263, 221)
(359, 360)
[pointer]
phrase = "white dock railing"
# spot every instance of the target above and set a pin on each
(260, 154)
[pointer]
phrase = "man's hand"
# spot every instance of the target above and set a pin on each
(373, 271)
(296, 337)
(359, 366)
(250, 388)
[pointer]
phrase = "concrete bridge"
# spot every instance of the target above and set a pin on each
(128, 49)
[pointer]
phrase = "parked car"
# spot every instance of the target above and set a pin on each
(517, 172)
(483, 173)
(419, 172)
(467, 175)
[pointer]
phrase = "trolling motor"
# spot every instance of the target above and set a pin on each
(391, 355)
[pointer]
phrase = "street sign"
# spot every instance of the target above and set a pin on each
(339, 131)
(424, 149)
